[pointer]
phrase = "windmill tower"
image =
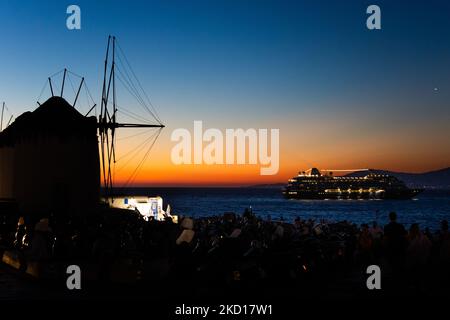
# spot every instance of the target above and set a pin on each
(49, 160)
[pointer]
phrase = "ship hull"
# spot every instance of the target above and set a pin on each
(322, 195)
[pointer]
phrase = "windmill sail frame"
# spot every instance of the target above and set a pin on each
(107, 123)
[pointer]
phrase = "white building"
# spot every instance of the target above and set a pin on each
(146, 206)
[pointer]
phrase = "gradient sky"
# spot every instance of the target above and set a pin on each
(341, 95)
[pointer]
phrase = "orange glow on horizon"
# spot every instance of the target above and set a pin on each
(167, 174)
(309, 142)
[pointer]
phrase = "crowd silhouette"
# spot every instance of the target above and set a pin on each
(237, 251)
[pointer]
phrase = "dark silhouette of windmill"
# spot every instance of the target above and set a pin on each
(107, 119)
(50, 159)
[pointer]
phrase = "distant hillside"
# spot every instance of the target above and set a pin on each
(438, 179)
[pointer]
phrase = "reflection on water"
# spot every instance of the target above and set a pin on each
(428, 209)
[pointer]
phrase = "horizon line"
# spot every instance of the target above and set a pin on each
(244, 184)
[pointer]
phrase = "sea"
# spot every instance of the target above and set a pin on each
(428, 208)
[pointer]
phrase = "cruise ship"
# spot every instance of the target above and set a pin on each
(313, 184)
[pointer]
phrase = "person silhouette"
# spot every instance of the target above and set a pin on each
(395, 240)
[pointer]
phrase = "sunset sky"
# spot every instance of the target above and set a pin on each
(342, 96)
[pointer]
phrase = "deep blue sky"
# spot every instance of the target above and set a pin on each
(310, 51)
(249, 63)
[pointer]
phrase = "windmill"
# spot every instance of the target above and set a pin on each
(107, 122)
